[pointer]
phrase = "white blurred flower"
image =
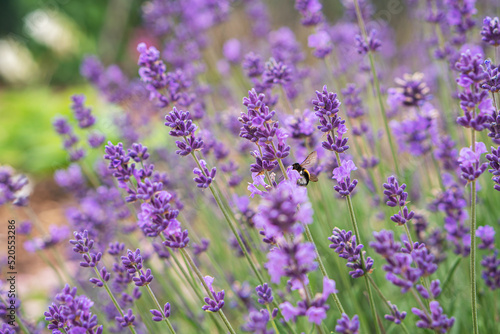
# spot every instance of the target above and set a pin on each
(16, 62)
(52, 29)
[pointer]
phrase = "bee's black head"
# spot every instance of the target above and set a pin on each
(296, 166)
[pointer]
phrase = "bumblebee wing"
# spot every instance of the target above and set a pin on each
(313, 178)
(311, 160)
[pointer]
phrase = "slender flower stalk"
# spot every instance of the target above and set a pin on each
(207, 288)
(377, 87)
(231, 225)
(111, 296)
(356, 232)
(473, 243)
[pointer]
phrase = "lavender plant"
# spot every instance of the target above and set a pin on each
(210, 215)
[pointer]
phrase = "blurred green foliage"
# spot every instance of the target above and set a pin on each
(28, 141)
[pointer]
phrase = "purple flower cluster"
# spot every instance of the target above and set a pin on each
(494, 162)
(276, 73)
(82, 114)
(257, 322)
(346, 325)
(452, 202)
(400, 271)
(472, 75)
(469, 160)
(344, 243)
(396, 197)
(11, 187)
(293, 260)
(182, 126)
(436, 320)
(213, 305)
(158, 315)
(492, 77)
(415, 136)
(372, 44)
(342, 175)
(411, 91)
(70, 140)
(321, 42)
(326, 105)
(54, 237)
(487, 235)
(72, 314)
(205, 176)
(315, 310)
(258, 126)
(284, 210)
(491, 31)
(310, 10)
(491, 272)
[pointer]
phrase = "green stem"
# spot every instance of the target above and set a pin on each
(169, 325)
(450, 273)
(272, 319)
(473, 259)
(322, 267)
(207, 289)
(113, 299)
(386, 301)
(231, 226)
(377, 88)
(358, 239)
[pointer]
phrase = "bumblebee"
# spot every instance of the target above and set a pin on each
(306, 176)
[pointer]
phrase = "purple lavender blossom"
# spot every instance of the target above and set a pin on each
(321, 42)
(415, 135)
(153, 72)
(372, 44)
(494, 162)
(491, 31)
(396, 196)
(265, 294)
(487, 235)
(285, 209)
(344, 243)
(252, 65)
(396, 316)
(232, 50)
(182, 126)
(133, 261)
(202, 247)
(158, 315)
(82, 114)
(469, 162)
(492, 77)
(491, 272)
(128, 319)
(205, 176)
(437, 320)
(452, 202)
(342, 175)
(176, 238)
(276, 73)
(257, 322)
(72, 313)
(213, 305)
(11, 186)
(310, 11)
(293, 260)
(315, 310)
(411, 90)
(346, 325)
